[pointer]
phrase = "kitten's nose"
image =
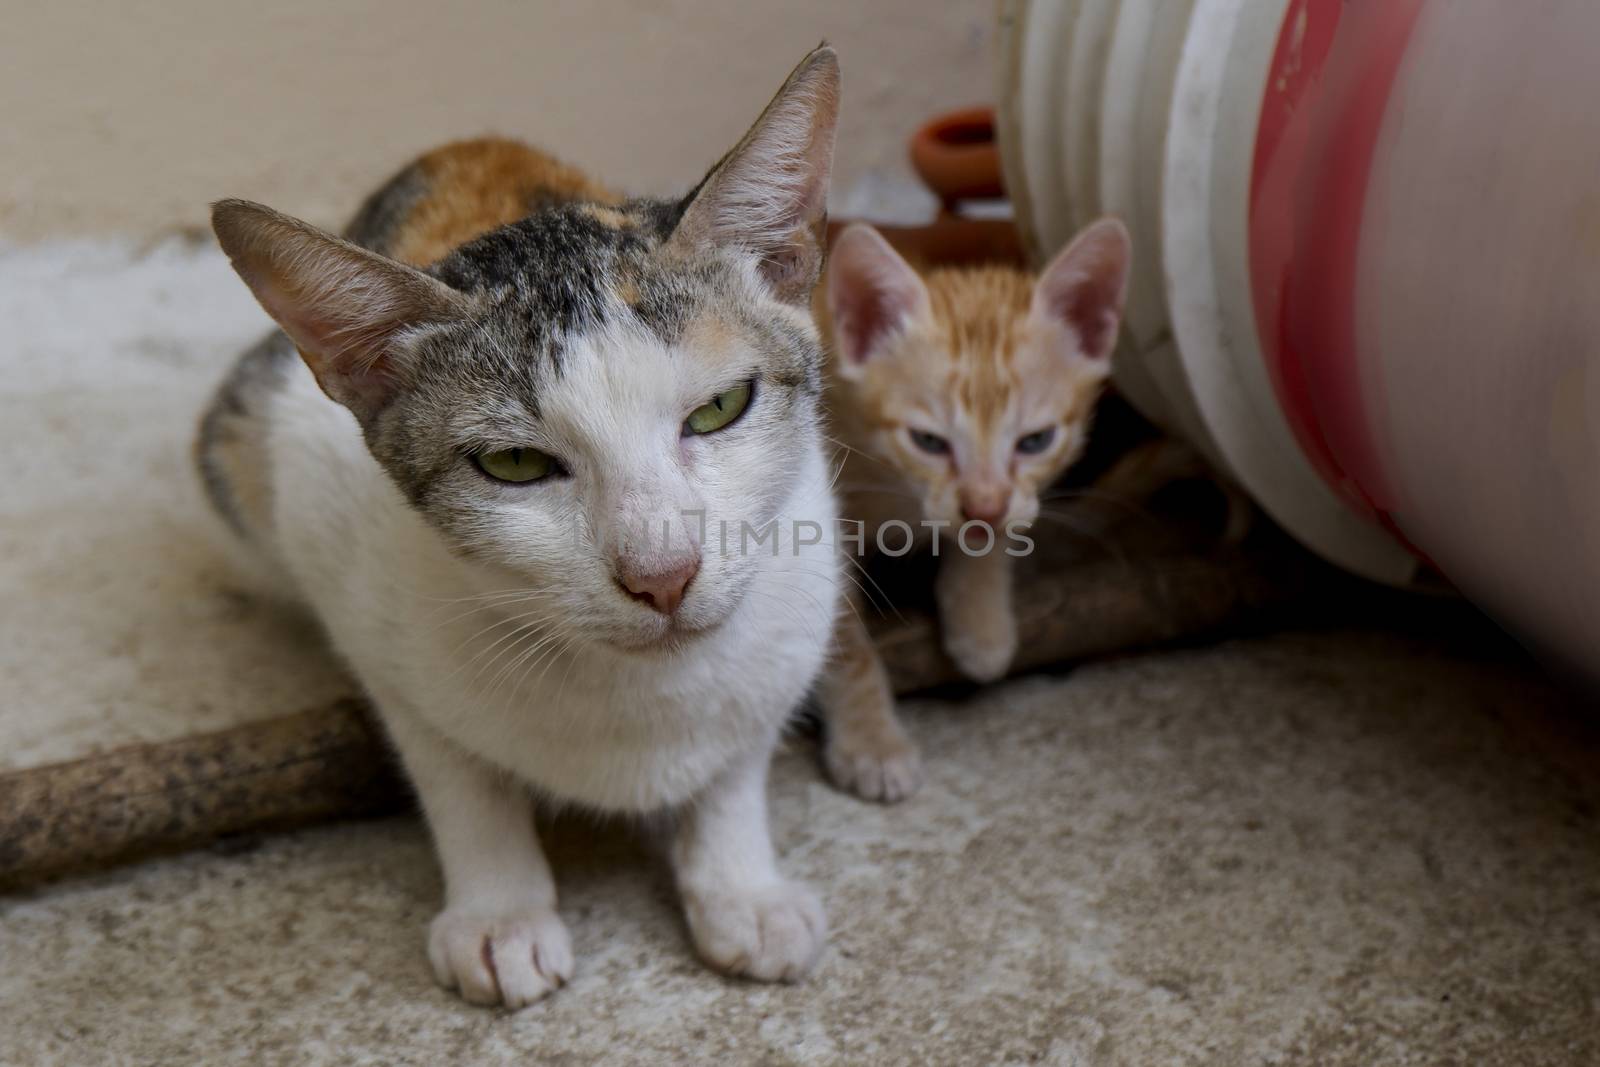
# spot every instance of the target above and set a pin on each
(663, 590)
(985, 505)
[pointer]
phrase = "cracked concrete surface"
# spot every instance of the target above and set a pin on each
(1335, 849)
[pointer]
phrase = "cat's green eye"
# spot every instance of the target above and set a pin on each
(719, 412)
(519, 465)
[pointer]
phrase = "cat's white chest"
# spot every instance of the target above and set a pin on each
(629, 733)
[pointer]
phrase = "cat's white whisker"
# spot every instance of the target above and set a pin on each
(512, 666)
(487, 659)
(788, 608)
(499, 605)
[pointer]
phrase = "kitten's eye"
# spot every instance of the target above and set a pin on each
(1034, 443)
(930, 443)
(720, 412)
(518, 465)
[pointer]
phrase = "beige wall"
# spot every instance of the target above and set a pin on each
(131, 117)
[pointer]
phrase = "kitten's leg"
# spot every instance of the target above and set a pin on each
(975, 616)
(498, 939)
(864, 746)
(745, 918)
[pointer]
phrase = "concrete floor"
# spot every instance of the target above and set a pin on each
(1331, 849)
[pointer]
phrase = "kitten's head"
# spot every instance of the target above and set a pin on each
(976, 384)
(550, 395)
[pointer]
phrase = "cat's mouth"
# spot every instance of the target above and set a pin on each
(677, 635)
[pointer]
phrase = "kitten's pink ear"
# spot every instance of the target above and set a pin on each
(769, 195)
(344, 307)
(1085, 287)
(872, 294)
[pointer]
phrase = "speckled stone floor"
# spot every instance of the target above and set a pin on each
(1331, 849)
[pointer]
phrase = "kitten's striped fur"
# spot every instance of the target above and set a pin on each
(982, 361)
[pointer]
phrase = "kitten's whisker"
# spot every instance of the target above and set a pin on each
(1102, 496)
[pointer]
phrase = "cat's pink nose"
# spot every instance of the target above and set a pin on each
(663, 590)
(987, 505)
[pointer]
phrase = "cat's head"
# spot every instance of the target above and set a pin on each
(975, 384)
(571, 399)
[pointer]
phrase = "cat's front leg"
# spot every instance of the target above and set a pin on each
(864, 747)
(745, 918)
(975, 615)
(498, 939)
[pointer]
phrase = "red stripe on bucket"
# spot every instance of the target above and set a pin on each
(1326, 96)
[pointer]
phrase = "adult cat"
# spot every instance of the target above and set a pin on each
(513, 471)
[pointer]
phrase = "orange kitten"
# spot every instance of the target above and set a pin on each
(957, 395)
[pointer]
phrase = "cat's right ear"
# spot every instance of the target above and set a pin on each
(769, 196)
(872, 295)
(345, 308)
(1084, 289)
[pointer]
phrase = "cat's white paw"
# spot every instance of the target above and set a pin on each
(510, 956)
(884, 767)
(772, 934)
(983, 656)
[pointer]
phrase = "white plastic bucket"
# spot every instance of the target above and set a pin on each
(1367, 239)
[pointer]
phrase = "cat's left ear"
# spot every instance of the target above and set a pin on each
(872, 296)
(346, 309)
(1084, 288)
(770, 194)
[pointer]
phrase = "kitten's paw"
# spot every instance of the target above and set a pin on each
(885, 767)
(510, 956)
(983, 656)
(772, 934)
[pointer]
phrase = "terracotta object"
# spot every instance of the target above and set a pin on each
(956, 155)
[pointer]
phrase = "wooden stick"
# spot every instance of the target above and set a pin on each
(304, 768)
(331, 762)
